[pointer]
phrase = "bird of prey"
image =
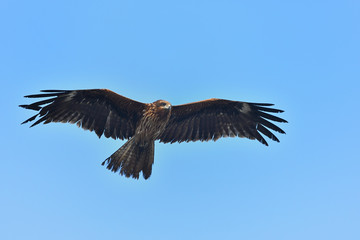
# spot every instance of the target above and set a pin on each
(112, 115)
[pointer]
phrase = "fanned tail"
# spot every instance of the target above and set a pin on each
(132, 158)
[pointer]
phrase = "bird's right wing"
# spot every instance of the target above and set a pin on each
(99, 110)
(214, 118)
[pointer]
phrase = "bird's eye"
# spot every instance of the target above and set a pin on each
(163, 104)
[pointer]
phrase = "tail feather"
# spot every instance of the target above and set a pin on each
(131, 159)
(149, 161)
(145, 161)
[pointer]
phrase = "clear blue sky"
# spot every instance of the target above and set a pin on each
(301, 55)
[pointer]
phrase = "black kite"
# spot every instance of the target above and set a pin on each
(115, 116)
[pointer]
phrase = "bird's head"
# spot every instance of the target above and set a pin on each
(162, 104)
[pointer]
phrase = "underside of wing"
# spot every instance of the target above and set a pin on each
(99, 110)
(214, 118)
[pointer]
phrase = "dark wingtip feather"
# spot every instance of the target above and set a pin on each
(30, 119)
(260, 138)
(54, 91)
(31, 107)
(263, 126)
(264, 117)
(263, 141)
(41, 95)
(266, 109)
(38, 121)
(267, 133)
(106, 160)
(48, 93)
(263, 104)
(271, 117)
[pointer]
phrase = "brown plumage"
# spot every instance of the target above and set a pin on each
(115, 116)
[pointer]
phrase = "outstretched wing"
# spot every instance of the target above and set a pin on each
(99, 110)
(214, 118)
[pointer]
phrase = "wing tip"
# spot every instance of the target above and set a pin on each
(263, 104)
(54, 91)
(48, 93)
(263, 141)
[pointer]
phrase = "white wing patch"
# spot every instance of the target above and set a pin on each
(70, 96)
(246, 108)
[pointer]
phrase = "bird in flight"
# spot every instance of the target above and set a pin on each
(112, 115)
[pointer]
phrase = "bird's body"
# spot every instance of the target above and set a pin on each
(138, 153)
(116, 116)
(154, 120)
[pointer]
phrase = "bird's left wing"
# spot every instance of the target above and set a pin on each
(99, 110)
(214, 118)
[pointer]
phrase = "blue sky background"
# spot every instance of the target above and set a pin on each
(301, 55)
